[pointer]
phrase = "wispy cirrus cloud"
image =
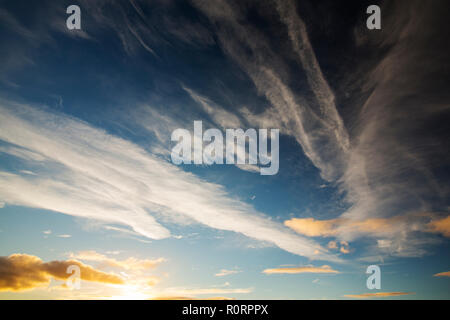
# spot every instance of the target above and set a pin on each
(64, 236)
(92, 174)
(321, 138)
(377, 166)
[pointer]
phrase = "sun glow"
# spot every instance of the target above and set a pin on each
(132, 292)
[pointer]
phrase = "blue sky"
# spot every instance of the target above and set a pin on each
(86, 175)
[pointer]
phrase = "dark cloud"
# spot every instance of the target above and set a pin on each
(23, 272)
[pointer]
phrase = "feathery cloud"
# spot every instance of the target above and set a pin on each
(99, 176)
(370, 166)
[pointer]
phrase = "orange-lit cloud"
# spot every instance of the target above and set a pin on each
(345, 248)
(294, 270)
(24, 272)
(443, 274)
(440, 226)
(313, 228)
(372, 226)
(377, 295)
(225, 272)
(326, 228)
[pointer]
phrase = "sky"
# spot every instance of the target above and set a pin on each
(87, 178)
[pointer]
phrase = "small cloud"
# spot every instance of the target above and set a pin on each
(345, 248)
(311, 227)
(332, 245)
(372, 259)
(248, 167)
(440, 226)
(47, 232)
(28, 172)
(177, 236)
(382, 243)
(315, 281)
(64, 236)
(253, 197)
(442, 274)
(295, 270)
(370, 227)
(377, 295)
(225, 272)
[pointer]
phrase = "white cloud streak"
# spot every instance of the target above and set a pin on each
(91, 174)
